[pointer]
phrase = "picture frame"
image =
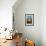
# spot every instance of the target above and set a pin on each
(29, 19)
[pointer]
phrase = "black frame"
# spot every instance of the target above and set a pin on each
(31, 22)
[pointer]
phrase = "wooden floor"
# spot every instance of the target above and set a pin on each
(9, 43)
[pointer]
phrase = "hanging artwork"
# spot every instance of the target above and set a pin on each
(29, 19)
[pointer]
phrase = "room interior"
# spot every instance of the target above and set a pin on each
(22, 23)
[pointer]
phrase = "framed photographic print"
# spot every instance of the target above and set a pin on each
(29, 19)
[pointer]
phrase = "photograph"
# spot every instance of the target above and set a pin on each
(29, 19)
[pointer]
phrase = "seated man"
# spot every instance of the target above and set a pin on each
(18, 39)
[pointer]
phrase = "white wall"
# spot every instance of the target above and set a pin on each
(43, 22)
(6, 13)
(31, 32)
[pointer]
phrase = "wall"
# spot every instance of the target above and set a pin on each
(43, 22)
(6, 13)
(17, 3)
(29, 32)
